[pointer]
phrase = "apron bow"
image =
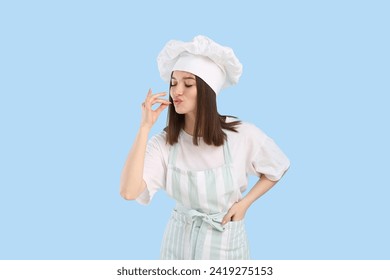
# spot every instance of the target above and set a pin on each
(213, 220)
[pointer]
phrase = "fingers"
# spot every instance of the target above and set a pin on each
(161, 108)
(152, 99)
(227, 218)
(149, 115)
(156, 95)
(147, 96)
(151, 96)
(162, 101)
(235, 213)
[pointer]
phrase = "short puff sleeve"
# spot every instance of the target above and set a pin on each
(266, 157)
(155, 168)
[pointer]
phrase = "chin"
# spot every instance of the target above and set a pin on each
(180, 112)
(183, 111)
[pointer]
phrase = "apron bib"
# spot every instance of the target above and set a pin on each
(203, 197)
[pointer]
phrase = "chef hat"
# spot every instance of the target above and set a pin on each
(215, 64)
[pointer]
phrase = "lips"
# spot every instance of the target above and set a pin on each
(177, 101)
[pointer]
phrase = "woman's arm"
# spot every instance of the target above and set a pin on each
(131, 182)
(238, 210)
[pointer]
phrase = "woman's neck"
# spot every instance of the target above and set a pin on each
(189, 124)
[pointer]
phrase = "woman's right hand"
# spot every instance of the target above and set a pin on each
(150, 116)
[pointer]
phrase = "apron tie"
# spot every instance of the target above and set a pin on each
(213, 220)
(199, 228)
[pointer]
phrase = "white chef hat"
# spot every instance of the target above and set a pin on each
(215, 64)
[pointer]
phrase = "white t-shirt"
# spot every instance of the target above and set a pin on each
(252, 152)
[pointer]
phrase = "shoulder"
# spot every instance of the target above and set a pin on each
(247, 131)
(159, 141)
(159, 136)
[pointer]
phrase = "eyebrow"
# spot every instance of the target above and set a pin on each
(185, 78)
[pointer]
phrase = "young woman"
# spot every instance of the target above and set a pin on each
(201, 159)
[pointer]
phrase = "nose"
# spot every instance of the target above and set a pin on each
(177, 90)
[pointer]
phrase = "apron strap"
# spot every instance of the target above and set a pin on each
(226, 153)
(172, 154)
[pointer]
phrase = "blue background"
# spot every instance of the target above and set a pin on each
(74, 73)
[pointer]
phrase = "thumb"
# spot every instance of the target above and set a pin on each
(161, 108)
(227, 218)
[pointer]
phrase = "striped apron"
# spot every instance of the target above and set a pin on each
(194, 230)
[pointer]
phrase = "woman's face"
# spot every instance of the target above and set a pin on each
(183, 92)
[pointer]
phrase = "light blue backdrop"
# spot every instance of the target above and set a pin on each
(74, 73)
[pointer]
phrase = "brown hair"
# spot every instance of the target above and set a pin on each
(208, 124)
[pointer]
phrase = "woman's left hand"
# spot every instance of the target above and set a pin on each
(236, 212)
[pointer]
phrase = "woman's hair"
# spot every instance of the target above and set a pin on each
(208, 123)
